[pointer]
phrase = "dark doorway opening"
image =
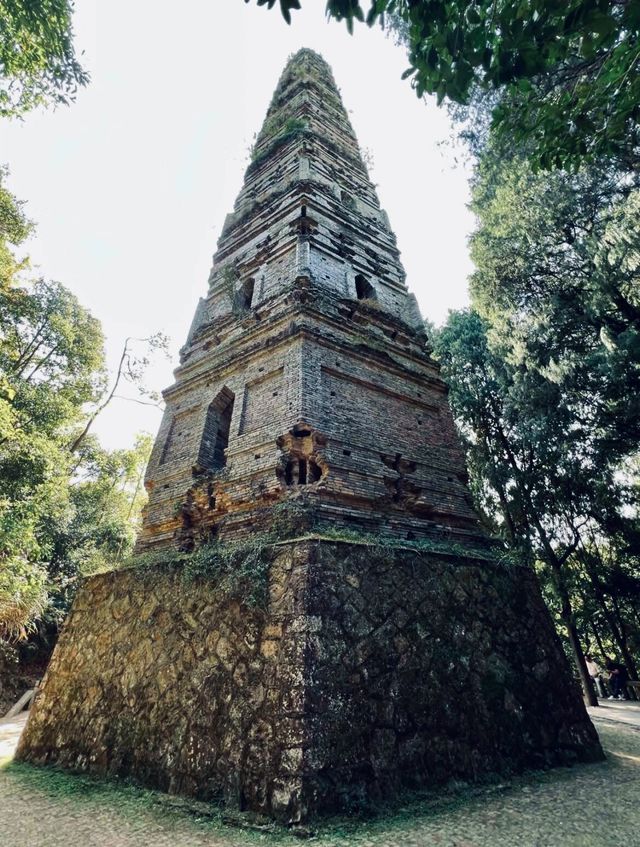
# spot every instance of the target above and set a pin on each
(364, 289)
(215, 437)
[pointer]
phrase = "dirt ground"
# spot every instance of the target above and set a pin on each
(585, 806)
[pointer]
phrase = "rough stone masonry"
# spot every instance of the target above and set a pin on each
(373, 666)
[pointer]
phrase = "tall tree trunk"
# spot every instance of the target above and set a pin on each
(566, 613)
(624, 644)
(596, 635)
(618, 637)
(557, 565)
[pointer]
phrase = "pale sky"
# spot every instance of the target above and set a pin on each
(130, 185)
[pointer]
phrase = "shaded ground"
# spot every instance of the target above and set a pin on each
(586, 806)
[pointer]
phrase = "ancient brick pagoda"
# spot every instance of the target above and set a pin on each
(306, 370)
(306, 379)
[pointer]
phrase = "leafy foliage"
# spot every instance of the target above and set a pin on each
(49, 352)
(544, 375)
(292, 518)
(285, 6)
(67, 507)
(567, 73)
(22, 598)
(38, 65)
(558, 273)
(106, 496)
(14, 229)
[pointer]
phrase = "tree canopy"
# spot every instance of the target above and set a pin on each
(545, 380)
(567, 75)
(67, 506)
(38, 65)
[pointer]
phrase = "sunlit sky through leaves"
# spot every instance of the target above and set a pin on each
(130, 185)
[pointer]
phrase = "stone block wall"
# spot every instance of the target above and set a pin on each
(180, 688)
(370, 671)
(430, 668)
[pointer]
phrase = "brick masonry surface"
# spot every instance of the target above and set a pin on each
(369, 672)
(309, 331)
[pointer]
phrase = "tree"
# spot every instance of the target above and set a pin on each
(106, 496)
(38, 65)
(51, 361)
(22, 599)
(131, 368)
(526, 479)
(14, 229)
(567, 74)
(557, 277)
(545, 378)
(51, 364)
(67, 507)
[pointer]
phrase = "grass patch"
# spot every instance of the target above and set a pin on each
(125, 800)
(58, 784)
(239, 568)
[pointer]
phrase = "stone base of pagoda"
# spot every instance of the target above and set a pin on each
(369, 672)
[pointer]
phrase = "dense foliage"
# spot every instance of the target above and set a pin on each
(567, 75)
(38, 65)
(545, 386)
(64, 512)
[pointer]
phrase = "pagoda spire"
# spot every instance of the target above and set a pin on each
(307, 93)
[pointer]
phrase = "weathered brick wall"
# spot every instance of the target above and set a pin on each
(306, 224)
(371, 670)
(349, 371)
